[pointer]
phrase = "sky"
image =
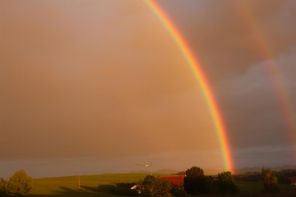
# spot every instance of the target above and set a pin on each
(88, 85)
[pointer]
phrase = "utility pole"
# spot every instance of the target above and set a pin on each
(78, 184)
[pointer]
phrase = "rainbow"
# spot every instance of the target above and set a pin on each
(200, 78)
(264, 49)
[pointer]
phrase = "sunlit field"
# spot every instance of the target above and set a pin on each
(68, 186)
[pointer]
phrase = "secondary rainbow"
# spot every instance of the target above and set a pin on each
(265, 50)
(201, 79)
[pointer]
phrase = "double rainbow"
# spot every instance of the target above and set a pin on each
(200, 78)
(265, 51)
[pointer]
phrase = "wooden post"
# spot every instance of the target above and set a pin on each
(78, 182)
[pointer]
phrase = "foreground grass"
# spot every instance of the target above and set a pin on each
(256, 189)
(97, 185)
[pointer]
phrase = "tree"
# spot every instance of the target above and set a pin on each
(195, 182)
(155, 187)
(19, 184)
(270, 181)
(225, 183)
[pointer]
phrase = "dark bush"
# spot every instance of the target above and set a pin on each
(179, 192)
(195, 182)
(155, 187)
(225, 183)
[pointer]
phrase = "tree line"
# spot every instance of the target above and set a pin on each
(197, 183)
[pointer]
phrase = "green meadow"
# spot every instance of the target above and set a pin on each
(99, 185)
(94, 185)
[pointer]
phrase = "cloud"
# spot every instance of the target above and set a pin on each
(265, 156)
(221, 38)
(251, 108)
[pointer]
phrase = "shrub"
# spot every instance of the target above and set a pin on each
(179, 192)
(225, 183)
(155, 187)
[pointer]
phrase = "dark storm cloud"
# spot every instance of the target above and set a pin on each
(222, 39)
(252, 108)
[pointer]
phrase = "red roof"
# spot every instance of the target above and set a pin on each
(177, 180)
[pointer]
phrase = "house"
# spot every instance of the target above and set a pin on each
(175, 180)
(293, 180)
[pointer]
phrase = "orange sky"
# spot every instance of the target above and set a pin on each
(103, 80)
(79, 81)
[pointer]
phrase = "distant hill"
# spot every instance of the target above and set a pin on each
(258, 169)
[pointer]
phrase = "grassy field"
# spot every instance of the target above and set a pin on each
(90, 185)
(99, 185)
